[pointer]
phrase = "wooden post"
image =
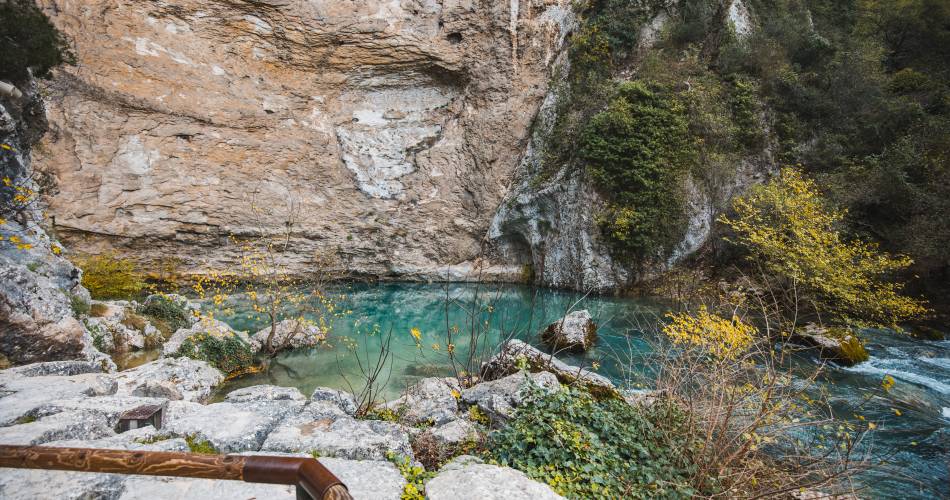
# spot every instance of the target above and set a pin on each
(308, 475)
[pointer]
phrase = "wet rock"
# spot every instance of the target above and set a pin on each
(574, 332)
(840, 345)
(483, 481)
(344, 401)
(339, 436)
(431, 400)
(193, 379)
(265, 393)
(231, 427)
(499, 398)
(295, 334)
(515, 353)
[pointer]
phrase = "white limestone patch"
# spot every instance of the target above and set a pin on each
(132, 156)
(740, 19)
(260, 25)
(146, 47)
(388, 126)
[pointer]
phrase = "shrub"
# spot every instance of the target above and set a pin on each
(789, 227)
(228, 353)
(638, 152)
(108, 276)
(588, 448)
(722, 338)
(79, 305)
(98, 310)
(168, 315)
(198, 445)
(29, 41)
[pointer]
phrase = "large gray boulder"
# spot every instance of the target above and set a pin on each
(431, 400)
(206, 326)
(455, 432)
(574, 332)
(328, 398)
(295, 333)
(335, 434)
(21, 396)
(109, 408)
(498, 399)
(231, 427)
(191, 379)
(57, 427)
(476, 481)
(514, 354)
(28, 484)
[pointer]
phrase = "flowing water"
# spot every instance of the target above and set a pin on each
(913, 418)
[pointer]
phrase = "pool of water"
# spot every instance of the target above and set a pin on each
(914, 417)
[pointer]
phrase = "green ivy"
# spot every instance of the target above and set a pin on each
(167, 314)
(229, 354)
(638, 152)
(588, 448)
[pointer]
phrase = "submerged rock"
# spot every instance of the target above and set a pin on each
(475, 481)
(574, 332)
(515, 353)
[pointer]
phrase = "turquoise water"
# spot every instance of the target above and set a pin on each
(916, 444)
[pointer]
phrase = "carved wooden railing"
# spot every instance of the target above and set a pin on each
(312, 479)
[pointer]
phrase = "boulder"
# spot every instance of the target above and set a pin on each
(499, 398)
(337, 435)
(296, 333)
(205, 326)
(837, 344)
(265, 393)
(192, 379)
(431, 400)
(344, 401)
(485, 482)
(27, 484)
(58, 427)
(574, 332)
(144, 438)
(59, 368)
(231, 427)
(456, 432)
(109, 407)
(151, 488)
(22, 396)
(515, 353)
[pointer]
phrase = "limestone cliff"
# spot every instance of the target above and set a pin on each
(390, 128)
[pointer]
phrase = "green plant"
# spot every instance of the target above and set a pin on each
(228, 353)
(638, 152)
(98, 336)
(30, 41)
(168, 315)
(475, 414)
(588, 448)
(108, 276)
(79, 305)
(414, 475)
(198, 445)
(384, 413)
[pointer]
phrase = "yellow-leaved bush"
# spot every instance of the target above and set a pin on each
(109, 276)
(793, 231)
(722, 338)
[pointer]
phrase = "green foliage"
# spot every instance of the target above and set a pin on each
(167, 315)
(852, 348)
(383, 413)
(108, 276)
(227, 353)
(588, 448)
(638, 151)
(475, 414)
(79, 305)
(29, 40)
(98, 335)
(789, 228)
(414, 475)
(198, 445)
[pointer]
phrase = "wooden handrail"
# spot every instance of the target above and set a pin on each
(312, 479)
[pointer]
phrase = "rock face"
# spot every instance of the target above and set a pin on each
(399, 123)
(574, 332)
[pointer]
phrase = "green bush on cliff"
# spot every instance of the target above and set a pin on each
(29, 41)
(588, 448)
(638, 152)
(166, 314)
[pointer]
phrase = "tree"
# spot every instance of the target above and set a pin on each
(792, 231)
